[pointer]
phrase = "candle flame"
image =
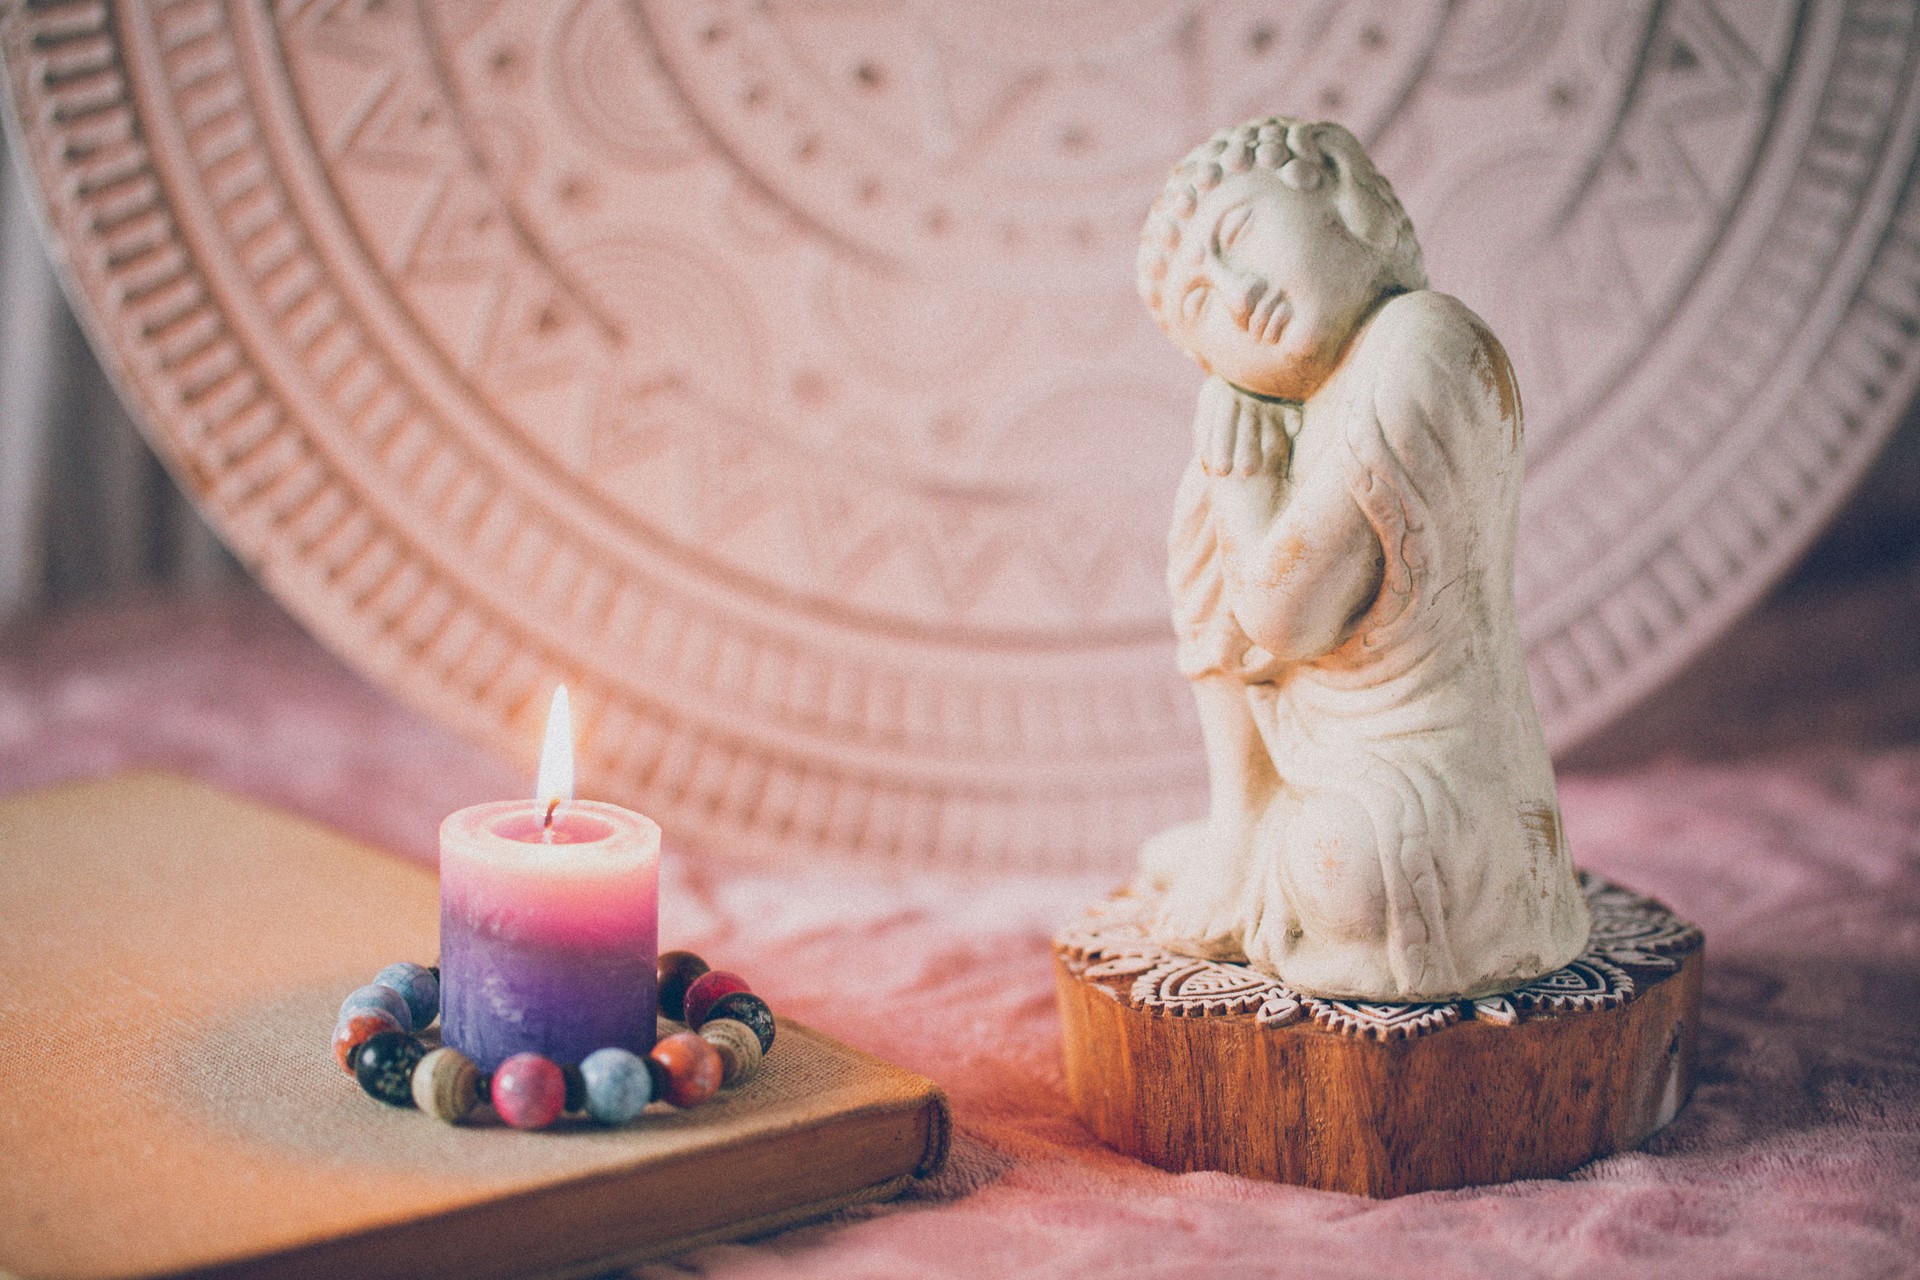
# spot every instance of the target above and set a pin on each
(555, 787)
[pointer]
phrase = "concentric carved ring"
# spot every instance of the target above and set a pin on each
(773, 375)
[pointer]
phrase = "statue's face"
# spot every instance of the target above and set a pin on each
(1268, 285)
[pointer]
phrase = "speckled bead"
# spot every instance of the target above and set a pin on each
(446, 1085)
(376, 996)
(619, 1086)
(355, 1028)
(528, 1091)
(678, 969)
(738, 1046)
(689, 1069)
(384, 1067)
(417, 986)
(744, 1006)
(707, 988)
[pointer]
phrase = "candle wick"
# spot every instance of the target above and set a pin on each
(546, 826)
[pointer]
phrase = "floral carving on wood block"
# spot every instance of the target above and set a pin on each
(1110, 946)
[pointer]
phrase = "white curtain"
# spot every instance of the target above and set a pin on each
(85, 507)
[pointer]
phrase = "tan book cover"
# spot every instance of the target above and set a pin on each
(171, 959)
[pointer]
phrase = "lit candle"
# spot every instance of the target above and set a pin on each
(549, 920)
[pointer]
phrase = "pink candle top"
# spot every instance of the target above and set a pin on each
(593, 884)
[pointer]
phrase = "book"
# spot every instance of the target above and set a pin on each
(171, 960)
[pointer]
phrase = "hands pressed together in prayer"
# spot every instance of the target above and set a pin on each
(1242, 436)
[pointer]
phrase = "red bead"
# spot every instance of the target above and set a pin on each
(689, 1067)
(707, 988)
(529, 1091)
(355, 1029)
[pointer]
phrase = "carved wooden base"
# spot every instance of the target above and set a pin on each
(1193, 1064)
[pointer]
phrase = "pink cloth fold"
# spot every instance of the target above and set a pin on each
(1800, 1152)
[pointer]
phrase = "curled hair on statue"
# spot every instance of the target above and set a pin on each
(1366, 203)
(1307, 156)
(1309, 163)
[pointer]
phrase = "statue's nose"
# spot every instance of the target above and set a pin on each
(1242, 296)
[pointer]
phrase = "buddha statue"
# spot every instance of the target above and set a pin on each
(1383, 822)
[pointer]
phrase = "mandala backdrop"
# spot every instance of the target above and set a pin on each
(771, 371)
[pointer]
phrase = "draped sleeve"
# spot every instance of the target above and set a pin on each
(1414, 745)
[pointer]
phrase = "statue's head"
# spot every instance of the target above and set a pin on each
(1267, 247)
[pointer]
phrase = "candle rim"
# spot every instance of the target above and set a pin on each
(634, 838)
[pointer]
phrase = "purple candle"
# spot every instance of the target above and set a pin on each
(549, 921)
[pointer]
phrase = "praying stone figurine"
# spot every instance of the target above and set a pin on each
(1383, 821)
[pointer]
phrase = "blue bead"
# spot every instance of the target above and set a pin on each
(417, 986)
(384, 998)
(619, 1085)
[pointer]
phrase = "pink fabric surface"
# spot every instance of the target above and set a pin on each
(1799, 855)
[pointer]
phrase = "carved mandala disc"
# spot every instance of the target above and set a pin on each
(772, 372)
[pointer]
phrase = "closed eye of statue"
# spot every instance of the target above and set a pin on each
(1194, 301)
(1232, 223)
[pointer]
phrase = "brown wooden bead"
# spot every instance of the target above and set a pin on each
(446, 1085)
(678, 969)
(689, 1068)
(738, 1046)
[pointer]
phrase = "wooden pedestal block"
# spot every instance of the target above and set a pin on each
(1193, 1064)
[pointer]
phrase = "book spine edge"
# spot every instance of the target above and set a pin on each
(939, 1135)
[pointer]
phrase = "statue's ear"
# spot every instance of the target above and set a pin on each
(1362, 214)
(1345, 163)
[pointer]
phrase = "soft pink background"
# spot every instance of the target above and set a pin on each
(1774, 797)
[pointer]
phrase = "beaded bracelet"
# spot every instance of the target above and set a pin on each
(730, 1030)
